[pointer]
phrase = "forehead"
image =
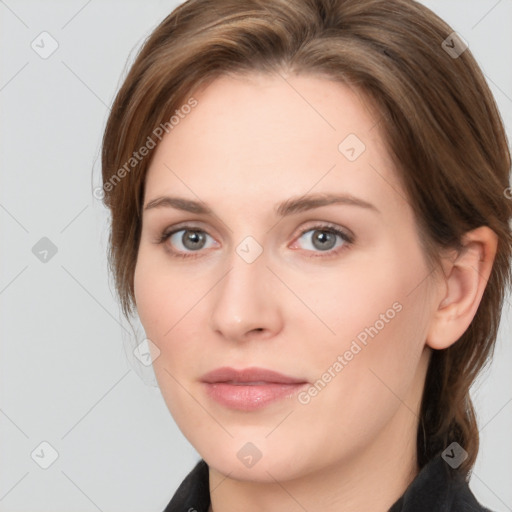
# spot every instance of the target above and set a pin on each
(272, 136)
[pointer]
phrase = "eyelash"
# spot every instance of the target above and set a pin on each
(328, 228)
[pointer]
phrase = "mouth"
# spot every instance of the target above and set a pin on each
(249, 388)
(233, 383)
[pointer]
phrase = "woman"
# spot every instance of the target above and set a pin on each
(310, 217)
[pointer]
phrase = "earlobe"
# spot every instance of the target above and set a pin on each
(464, 284)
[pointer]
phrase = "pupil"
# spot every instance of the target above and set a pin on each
(322, 237)
(191, 239)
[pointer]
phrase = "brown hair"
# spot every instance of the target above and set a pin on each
(438, 116)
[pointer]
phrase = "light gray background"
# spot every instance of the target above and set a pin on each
(66, 374)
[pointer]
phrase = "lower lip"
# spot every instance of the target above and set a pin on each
(249, 398)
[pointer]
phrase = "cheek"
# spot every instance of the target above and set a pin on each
(153, 307)
(159, 293)
(160, 307)
(379, 315)
(375, 299)
(169, 304)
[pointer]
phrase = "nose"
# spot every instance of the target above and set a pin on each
(246, 301)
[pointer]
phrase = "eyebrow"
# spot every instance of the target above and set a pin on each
(288, 207)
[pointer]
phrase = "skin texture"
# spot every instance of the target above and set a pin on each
(251, 143)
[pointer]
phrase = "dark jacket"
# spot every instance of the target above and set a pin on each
(437, 488)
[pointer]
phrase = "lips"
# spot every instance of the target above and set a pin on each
(250, 388)
(248, 376)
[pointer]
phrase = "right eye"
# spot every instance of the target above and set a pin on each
(186, 240)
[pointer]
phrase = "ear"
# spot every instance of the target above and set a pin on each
(465, 280)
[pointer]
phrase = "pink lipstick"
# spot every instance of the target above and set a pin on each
(249, 388)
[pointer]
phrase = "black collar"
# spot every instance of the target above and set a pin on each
(437, 488)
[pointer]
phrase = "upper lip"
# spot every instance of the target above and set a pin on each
(248, 375)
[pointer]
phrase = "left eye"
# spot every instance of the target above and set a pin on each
(324, 239)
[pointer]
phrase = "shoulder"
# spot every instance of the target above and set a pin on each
(464, 500)
(438, 488)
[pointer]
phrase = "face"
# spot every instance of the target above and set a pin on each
(276, 235)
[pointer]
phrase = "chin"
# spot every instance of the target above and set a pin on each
(254, 460)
